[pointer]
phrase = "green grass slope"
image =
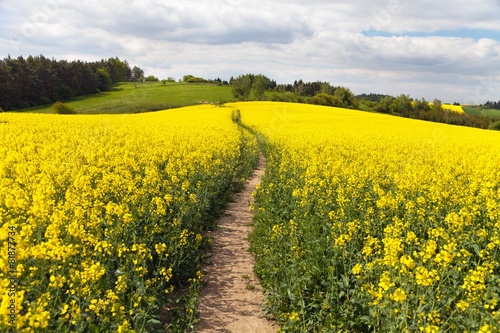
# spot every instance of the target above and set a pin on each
(131, 97)
(481, 112)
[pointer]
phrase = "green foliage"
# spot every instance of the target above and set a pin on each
(450, 117)
(118, 70)
(137, 74)
(495, 126)
(437, 105)
(38, 80)
(260, 84)
(61, 108)
(151, 78)
(241, 87)
(402, 104)
(422, 105)
(286, 96)
(384, 106)
(193, 79)
(105, 82)
(478, 111)
(167, 80)
(372, 97)
(236, 116)
(344, 98)
(324, 99)
(491, 105)
(307, 89)
(251, 86)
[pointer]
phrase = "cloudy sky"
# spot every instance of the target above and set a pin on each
(445, 49)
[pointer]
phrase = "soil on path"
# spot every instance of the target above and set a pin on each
(232, 300)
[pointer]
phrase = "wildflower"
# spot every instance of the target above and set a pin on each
(398, 295)
(293, 316)
(357, 269)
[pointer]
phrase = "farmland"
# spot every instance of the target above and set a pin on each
(104, 217)
(363, 221)
(454, 108)
(482, 112)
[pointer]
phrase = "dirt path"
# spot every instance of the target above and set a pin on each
(232, 300)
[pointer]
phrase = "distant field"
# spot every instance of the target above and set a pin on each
(481, 112)
(454, 108)
(129, 97)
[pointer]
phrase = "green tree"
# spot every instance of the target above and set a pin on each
(62, 108)
(495, 126)
(437, 105)
(151, 78)
(324, 99)
(193, 79)
(385, 104)
(241, 87)
(344, 98)
(421, 105)
(260, 84)
(402, 104)
(137, 74)
(105, 82)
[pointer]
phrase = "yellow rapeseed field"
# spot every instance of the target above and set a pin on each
(363, 222)
(367, 222)
(454, 108)
(102, 216)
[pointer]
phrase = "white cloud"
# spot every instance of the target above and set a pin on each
(287, 40)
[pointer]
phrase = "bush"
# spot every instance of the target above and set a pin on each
(62, 108)
(495, 126)
(236, 116)
(151, 78)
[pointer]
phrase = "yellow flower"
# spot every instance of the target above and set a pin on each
(485, 329)
(357, 269)
(462, 305)
(293, 316)
(398, 295)
(425, 277)
(385, 281)
(407, 261)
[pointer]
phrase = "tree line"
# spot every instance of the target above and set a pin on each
(405, 106)
(260, 87)
(491, 105)
(38, 80)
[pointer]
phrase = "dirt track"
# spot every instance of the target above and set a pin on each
(232, 300)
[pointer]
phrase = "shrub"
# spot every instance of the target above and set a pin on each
(62, 108)
(151, 78)
(495, 126)
(236, 116)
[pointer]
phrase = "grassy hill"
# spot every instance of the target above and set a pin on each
(131, 97)
(481, 112)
